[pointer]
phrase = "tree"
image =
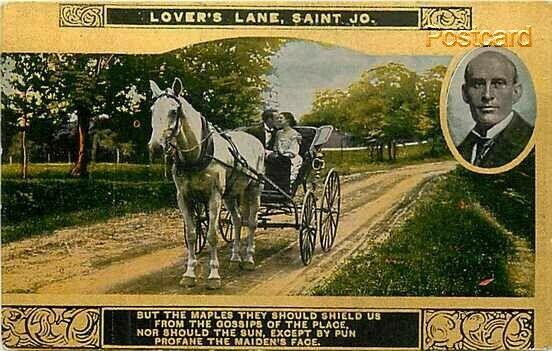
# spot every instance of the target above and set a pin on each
(387, 105)
(84, 83)
(430, 91)
(327, 108)
(28, 95)
(224, 80)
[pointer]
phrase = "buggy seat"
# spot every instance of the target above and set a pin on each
(312, 139)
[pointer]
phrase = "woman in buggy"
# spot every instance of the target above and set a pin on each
(283, 161)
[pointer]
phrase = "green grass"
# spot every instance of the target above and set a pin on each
(356, 161)
(97, 171)
(39, 206)
(457, 236)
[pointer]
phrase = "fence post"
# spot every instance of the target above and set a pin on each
(118, 155)
(69, 157)
(48, 157)
(11, 159)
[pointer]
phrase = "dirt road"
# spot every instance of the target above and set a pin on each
(145, 253)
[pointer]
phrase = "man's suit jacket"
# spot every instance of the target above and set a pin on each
(507, 145)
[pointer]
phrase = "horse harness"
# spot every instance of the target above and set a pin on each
(184, 165)
(187, 166)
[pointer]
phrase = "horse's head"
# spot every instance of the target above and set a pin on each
(166, 112)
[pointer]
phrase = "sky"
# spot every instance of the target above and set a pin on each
(302, 68)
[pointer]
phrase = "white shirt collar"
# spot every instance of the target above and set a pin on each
(497, 128)
(491, 133)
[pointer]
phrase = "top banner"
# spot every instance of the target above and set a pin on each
(425, 18)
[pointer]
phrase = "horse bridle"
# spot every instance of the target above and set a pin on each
(175, 130)
(206, 142)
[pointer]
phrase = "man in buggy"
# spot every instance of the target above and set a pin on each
(282, 144)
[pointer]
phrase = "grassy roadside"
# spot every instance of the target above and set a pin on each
(470, 235)
(98, 171)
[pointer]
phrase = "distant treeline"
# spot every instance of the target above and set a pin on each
(388, 105)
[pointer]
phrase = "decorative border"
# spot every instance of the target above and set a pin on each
(478, 330)
(446, 18)
(81, 15)
(47, 327)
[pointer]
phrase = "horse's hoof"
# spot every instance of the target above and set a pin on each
(248, 266)
(187, 282)
(214, 283)
(235, 259)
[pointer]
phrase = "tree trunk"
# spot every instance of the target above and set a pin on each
(94, 149)
(394, 151)
(389, 150)
(81, 166)
(24, 161)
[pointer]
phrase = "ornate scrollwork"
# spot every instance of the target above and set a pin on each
(442, 18)
(478, 330)
(81, 16)
(29, 327)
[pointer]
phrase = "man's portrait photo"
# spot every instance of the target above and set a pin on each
(490, 108)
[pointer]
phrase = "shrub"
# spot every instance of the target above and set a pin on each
(24, 200)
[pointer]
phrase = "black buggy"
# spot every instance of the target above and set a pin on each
(314, 207)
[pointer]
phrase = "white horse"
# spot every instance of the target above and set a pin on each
(206, 167)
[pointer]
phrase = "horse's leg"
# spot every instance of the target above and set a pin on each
(253, 201)
(188, 279)
(215, 202)
(232, 207)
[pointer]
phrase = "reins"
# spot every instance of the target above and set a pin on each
(207, 154)
(201, 142)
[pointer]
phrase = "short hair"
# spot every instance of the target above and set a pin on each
(267, 114)
(290, 118)
(504, 57)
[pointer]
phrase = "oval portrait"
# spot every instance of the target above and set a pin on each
(490, 111)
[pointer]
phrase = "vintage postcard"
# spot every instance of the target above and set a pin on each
(264, 175)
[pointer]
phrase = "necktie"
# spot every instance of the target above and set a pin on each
(272, 140)
(484, 144)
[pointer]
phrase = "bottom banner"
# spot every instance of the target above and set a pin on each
(257, 328)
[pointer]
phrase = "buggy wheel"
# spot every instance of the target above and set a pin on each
(226, 228)
(330, 207)
(201, 218)
(307, 230)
